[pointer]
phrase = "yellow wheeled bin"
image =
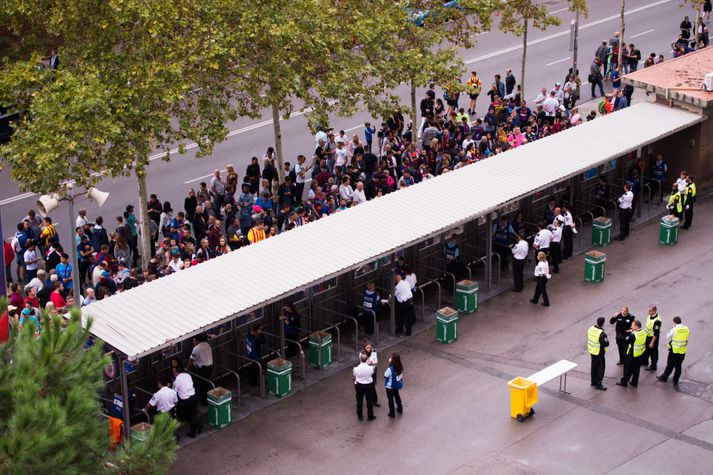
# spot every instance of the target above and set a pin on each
(523, 395)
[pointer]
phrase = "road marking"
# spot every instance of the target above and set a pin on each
(564, 32)
(201, 177)
(558, 61)
(641, 34)
(557, 11)
(257, 125)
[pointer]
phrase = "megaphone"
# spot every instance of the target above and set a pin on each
(47, 203)
(97, 196)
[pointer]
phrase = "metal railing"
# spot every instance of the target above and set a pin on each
(227, 372)
(250, 361)
(373, 316)
(301, 352)
(419, 289)
(345, 317)
(444, 273)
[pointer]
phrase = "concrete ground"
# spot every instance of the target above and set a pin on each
(456, 402)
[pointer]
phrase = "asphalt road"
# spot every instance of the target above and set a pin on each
(652, 26)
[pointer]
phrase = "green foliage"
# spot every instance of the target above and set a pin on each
(513, 13)
(49, 418)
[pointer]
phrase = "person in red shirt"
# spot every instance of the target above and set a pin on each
(32, 298)
(56, 297)
(9, 257)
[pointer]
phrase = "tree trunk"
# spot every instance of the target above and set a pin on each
(621, 36)
(145, 232)
(574, 43)
(277, 132)
(524, 61)
(414, 113)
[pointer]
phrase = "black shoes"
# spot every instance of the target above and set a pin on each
(533, 301)
(371, 418)
(376, 404)
(650, 368)
(391, 415)
(601, 388)
(400, 410)
(619, 363)
(621, 383)
(545, 304)
(662, 379)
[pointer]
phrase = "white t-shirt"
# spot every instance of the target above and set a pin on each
(543, 239)
(342, 156)
(346, 192)
(30, 257)
(363, 374)
(542, 269)
(164, 399)
(183, 385)
(551, 105)
(202, 354)
(358, 196)
(298, 169)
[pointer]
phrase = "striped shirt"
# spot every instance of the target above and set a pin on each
(256, 235)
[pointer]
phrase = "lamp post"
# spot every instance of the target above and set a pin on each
(48, 203)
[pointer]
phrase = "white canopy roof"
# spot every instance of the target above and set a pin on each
(158, 314)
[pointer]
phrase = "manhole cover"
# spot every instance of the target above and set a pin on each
(694, 389)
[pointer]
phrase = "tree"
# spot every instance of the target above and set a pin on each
(515, 15)
(49, 419)
(622, 27)
(135, 76)
(424, 51)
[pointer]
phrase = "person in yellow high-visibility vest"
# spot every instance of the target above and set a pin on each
(653, 332)
(688, 199)
(675, 202)
(597, 343)
(636, 342)
(677, 346)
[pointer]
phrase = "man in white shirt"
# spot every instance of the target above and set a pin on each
(82, 218)
(403, 299)
(555, 246)
(541, 97)
(625, 202)
(346, 192)
(359, 196)
(568, 232)
(342, 157)
(202, 361)
(301, 177)
(187, 408)
(681, 183)
(559, 93)
(543, 238)
(519, 257)
(551, 104)
(363, 377)
(32, 259)
(163, 400)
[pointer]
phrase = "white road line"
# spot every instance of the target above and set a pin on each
(557, 11)
(201, 178)
(558, 61)
(257, 125)
(641, 34)
(563, 33)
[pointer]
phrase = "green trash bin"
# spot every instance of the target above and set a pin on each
(668, 230)
(320, 349)
(601, 231)
(467, 296)
(140, 432)
(220, 402)
(594, 266)
(279, 377)
(447, 325)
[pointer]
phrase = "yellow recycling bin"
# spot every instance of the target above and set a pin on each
(523, 395)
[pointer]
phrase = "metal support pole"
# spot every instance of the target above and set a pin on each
(125, 399)
(489, 252)
(76, 284)
(282, 330)
(392, 300)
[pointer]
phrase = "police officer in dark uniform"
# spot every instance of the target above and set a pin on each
(501, 241)
(371, 303)
(623, 321)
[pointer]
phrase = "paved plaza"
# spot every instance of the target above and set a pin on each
(456, 401)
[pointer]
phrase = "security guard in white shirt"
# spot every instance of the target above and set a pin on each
(543, 238)
(202, 361)
(555, 256)
(373, 361)
(363, 377)
(403, 299)
(625, 212)
(187, 408)
(568, 232)
(163, 400)
(542, 274)
(519, 257)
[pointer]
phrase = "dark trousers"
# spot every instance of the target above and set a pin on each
(598, 366)
(555, 256)
(651, 354)
(188, 411)
(300, 187)
(674, 362)
(518, 270)
(404, 316)
(632, 367)
(393, 396)
(688, 217)
(364, 391)
(601, 88)
(374, 394)
(621, 346)
(567, 238)
(541, 290)
(624, 220)
(200, 384)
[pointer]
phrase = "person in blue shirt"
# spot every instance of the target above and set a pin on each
(658, 172)
(64, 272)
(502, 232)
(452, 253)
(616, 78)
(253, 350)
(368, 133)
(371, 303)
(291, 322)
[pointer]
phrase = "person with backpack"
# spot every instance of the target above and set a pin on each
(394, 382)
